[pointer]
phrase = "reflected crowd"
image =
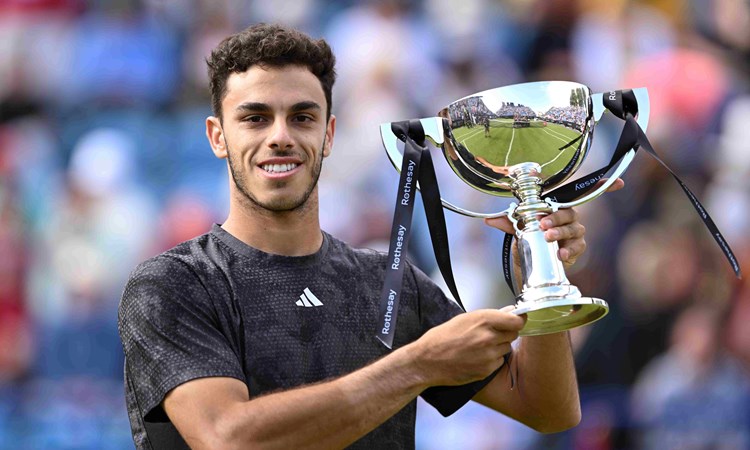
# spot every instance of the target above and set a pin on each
(104, 162)
(573, 116)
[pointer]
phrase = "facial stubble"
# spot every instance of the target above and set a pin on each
(238, 176)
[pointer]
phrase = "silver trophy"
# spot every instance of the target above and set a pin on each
(523, 141)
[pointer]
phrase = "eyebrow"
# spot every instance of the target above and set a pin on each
(254, 106)
(304, 106)
(265, 107)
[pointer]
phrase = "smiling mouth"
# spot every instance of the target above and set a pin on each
(279, 168)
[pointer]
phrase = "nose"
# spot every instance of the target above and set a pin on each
(280, 137)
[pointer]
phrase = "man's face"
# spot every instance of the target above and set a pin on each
(275, 135)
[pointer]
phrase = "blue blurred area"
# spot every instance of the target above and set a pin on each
(104, 162)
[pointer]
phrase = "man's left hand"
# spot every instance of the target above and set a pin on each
(561, 226)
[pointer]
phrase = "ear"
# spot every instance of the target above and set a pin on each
(215, 135)
(330, 132)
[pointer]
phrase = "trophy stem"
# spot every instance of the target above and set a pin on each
(527, 187)
(547, 297)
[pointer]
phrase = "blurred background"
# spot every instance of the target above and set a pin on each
(104, 162)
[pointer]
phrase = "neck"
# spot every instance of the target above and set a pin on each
(288, 233)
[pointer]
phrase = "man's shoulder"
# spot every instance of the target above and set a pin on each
(182, 268)
(373, 260)
(185, 257)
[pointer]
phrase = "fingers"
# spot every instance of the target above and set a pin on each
(616, 186)
(504, 349)
(501, 223)
(503, 320)
(571, 250)
(559, 218)
(468, 347)
(563, 226)
(565, 232)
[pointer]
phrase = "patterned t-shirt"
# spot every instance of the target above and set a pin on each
(216, 307)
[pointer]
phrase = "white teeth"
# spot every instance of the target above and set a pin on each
(278, 168)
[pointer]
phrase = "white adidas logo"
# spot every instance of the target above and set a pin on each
(308, 299)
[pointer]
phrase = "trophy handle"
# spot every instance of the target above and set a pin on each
(433, 128)
(644, 110)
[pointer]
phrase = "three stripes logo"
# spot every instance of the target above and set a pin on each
(308, 299)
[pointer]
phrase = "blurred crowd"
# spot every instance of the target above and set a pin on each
(104, 162)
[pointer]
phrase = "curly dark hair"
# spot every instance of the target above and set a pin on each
(269, 46)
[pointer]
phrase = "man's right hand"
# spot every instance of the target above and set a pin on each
(468, 347)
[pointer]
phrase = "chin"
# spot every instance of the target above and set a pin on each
(283, 204)
(285, 199)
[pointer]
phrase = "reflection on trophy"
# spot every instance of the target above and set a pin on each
(522, 141)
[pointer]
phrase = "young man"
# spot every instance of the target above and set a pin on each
(261, 333)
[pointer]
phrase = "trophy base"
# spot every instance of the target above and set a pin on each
(560, 314)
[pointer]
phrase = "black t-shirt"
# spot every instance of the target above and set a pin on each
(215, 307)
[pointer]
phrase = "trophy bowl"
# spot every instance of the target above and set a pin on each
(521, 142)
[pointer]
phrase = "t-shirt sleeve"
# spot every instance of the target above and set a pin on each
(436, 308)
(170, 333)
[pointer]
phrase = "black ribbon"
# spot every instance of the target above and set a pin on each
(433, 208)
(707, 221)
(400, 230)
(507, 266)
(416, 165)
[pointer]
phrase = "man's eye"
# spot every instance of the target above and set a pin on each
(254, 119)
(303, 118)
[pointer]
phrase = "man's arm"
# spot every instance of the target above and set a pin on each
(218, 412)
(545, 396)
